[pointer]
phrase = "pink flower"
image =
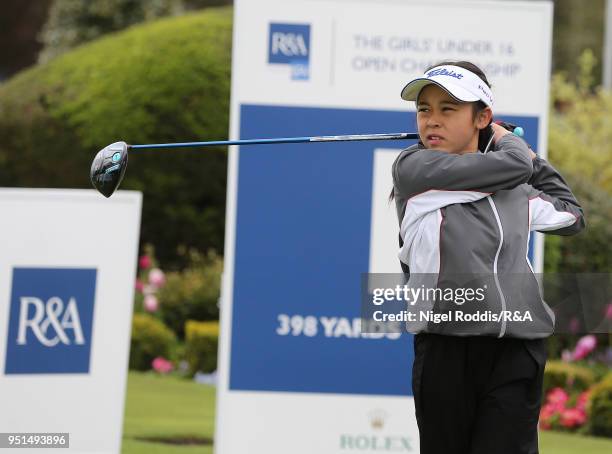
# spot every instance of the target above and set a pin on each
(144, 262)
(157, 278)
(554, 412)
(150, 303)
(608, 311)
(547, 411)
(572, 417)
(582, 400)
(557, 397)
(584, 346)
(545, 425)
(139, 285)
(566, 356)
(162, 365)
(589, 342)
(546, 414)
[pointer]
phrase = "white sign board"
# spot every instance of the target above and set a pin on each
(305, 221)
(67, 271)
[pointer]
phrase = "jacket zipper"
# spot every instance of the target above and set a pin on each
(501, 242)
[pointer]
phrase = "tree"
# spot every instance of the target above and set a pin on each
(74, 22)
(578, 25)
(580, 146)
(20, 22)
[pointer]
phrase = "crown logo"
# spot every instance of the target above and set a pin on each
(377, 418)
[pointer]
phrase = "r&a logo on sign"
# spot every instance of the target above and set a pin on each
(289, 44)
(46, 314)
(51, 318)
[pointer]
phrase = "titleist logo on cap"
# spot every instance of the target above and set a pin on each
(444, 72)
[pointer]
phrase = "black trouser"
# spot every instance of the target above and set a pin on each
(477, 394)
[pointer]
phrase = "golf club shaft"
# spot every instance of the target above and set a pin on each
(347, 138)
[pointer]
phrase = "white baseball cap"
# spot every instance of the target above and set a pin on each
(459, 82)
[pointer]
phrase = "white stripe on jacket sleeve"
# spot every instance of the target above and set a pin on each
(544, 216)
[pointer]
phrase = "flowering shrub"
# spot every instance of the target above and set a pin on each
(570, 376)
(559, 413)
(162, 365)
(148, 283)
(193, 293)
(150, 339)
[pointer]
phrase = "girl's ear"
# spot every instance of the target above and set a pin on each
(484, 117)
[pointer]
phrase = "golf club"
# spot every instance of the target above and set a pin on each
(108, 167)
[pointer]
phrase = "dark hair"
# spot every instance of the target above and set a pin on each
(478, 106)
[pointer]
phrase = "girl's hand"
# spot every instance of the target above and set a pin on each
(498, 132)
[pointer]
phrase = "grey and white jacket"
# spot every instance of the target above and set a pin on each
(472, 214)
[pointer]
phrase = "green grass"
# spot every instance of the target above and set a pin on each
(169, 408)
(564, 443)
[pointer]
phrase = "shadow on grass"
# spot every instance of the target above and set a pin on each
(178, 440)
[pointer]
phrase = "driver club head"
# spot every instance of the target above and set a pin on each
(108, 168)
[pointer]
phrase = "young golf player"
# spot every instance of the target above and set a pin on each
(467, 196)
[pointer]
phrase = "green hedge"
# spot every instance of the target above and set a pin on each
(150, 338)
(201, 342)
(571, 377)
(599, 408)
(164, 81)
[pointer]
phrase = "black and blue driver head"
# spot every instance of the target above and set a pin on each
(108, 168)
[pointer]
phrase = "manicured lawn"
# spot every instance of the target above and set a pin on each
(166, 408)
(563, 443)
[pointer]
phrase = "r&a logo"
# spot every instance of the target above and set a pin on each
(48, 314)
(289, 44)
(51, 320)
